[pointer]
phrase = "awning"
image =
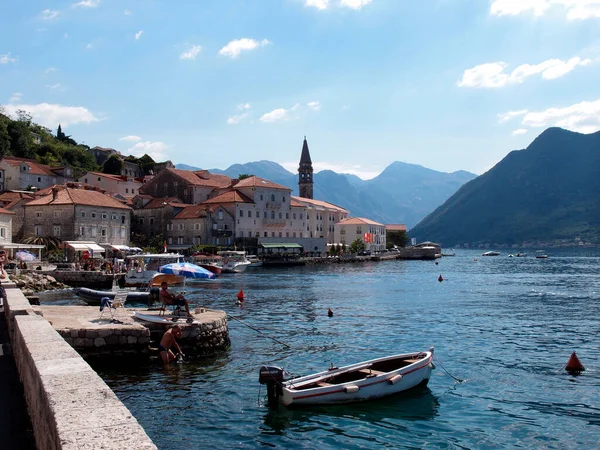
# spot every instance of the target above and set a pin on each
(121, 248)
(178, 247)
(84, 246)
(95, 248)
(78, 247)
(286, 245)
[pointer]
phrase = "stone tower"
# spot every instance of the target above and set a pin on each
(305, 173)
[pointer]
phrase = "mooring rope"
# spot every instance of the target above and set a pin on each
(442, 366)
(258, 331)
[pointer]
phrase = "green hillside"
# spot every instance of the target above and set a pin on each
(547, 193)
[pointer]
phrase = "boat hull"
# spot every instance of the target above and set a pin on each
(372, 387)
(94, 297)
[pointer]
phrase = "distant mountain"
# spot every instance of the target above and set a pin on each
(547, 193)
(402, 193)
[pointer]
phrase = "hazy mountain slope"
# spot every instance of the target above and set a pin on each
(547, 192)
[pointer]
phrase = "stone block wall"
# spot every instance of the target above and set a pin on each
(70, 406)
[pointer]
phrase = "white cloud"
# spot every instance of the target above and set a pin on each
(244, 106)
(49, 14)
(87, 4)
(314, 106)
(502, 118)
(54, 86)
(583, 117)
(492, 75)
(130, 138)
(354, 4)
(319, 4)
(50, 115)
(235, 47)
(6, 59)
(16, 97)
(89, 46)
(138, 35)
(127, 12)
(519, 131)
(193, 51)
(575, 9)
(234, 120)
(156, 150)
(50, 70)
(279, 114)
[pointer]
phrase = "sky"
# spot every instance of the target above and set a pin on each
(446, 84)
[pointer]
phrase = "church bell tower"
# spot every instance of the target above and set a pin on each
(305, 173)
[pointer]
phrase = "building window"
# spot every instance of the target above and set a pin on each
(301, 234)
(294, 216)
(280, 234)
(81, 231)
(181, 227)
(220, 215)
(272, 197)
(123, 219)
(266, 234)
(287, 234)
(93, 214)
(272, 234)
(94, 231)
(99, 178)
(57, 230)
(283, 199)
(104, 216)
(2, 232)
(122, 233)
(241, 213)
(38, 230)
(300, 216)
(170, 240)
(38, 214)
(141, 221)
(127, 190)
(196, 226)
(151, 220)
(261, 197)
(265, 214)
(56, 214)
(39, 179)
(280, 216)
(114, 217)
(169, 227)
(180, 240)
(294, 234)
(257, 214)
(287, 215)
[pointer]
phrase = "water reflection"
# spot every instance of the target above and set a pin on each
(417, 404)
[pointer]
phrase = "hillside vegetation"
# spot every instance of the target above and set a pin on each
(547, 193)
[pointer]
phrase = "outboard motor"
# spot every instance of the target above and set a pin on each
(273, 377)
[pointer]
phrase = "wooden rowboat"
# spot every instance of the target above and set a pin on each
(354, 383)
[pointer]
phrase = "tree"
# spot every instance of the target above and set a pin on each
(59, 133)
(357, 246)
(4, 136)
(242, 176)
(50, 242)
(20, 139)
(396, 238)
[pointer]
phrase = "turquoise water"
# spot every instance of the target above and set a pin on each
(507, 326)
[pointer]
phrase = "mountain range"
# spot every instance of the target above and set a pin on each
(547, 193)
(402, 193)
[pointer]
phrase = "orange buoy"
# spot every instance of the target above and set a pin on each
(574, 365)
(440, 278)
(240, 296)
(330, 312)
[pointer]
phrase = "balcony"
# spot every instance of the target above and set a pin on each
(274, 222)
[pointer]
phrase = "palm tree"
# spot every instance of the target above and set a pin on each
(50, 242)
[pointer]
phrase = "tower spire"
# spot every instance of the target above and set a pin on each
(305, 173)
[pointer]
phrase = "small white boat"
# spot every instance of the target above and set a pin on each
(355, 383)
(143, 268)
(163, 320)
(490, 254)
(254, 261)
(233, 261)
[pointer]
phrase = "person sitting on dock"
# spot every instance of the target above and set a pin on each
(168, 341)
(170, 299)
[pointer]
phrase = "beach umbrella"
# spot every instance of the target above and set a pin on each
(187, 270)
(24, 255)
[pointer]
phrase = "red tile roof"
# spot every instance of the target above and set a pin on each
(10, 199)
(159, 202)
(6, 211)
(35, 167)
(70, 196)
(321, 203)
(194, 212)
(105, 175)
(254, 181)
(232, 196)
(395, 227)
(202, 178)
(359, 221)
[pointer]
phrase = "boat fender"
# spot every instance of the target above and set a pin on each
(351, 389)
(395, 379)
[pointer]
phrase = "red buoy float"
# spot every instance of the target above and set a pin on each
(330, 312)
(440, 278)
(574, 365)
(240, 296)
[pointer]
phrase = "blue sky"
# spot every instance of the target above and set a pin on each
(447, 84)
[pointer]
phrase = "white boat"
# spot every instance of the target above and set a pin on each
(254, 261)
(490, 254)
(233, 261)
(147, 268)
(358, 382)
(540, 254)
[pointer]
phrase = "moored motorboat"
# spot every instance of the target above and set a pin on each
(144, 267)
(492, 253)
(233, 261)
(367, 380)
(209, 262)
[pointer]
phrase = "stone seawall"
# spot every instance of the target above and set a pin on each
(70, 406)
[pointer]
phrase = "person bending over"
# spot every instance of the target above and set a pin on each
(170, 299)
(168, 341)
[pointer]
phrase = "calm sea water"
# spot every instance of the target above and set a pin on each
(507, 326)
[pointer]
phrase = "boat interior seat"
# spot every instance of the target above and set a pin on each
(411, 361)
(370, 372)
(323, 384)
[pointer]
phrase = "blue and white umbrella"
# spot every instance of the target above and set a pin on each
(24, 255)
(187, 270)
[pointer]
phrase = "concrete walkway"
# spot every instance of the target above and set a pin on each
(15, 426)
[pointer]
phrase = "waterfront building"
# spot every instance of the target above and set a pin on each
(6, 232)
(305, 173)
(371, 233)
(152, 216)
(125, 186)
(78, 214)
(14, 202)
(28, 174)
(321, 217)
(200, 224)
